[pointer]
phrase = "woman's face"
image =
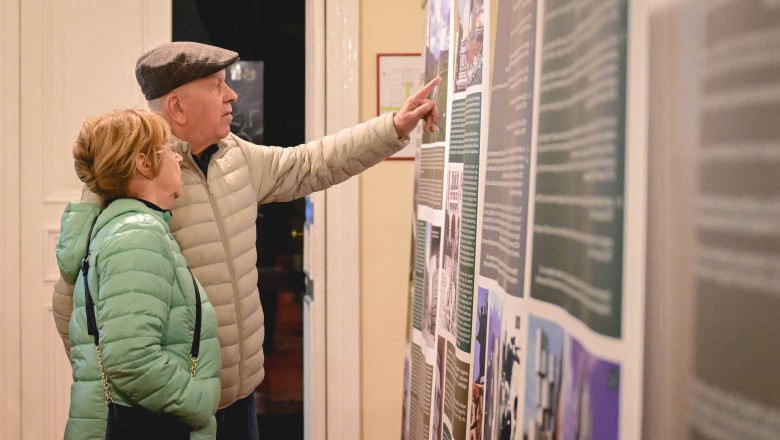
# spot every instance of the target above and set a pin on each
(168, 180)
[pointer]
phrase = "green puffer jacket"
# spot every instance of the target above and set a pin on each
(145, 308)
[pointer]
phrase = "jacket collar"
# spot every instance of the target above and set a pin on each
(129, 204)
(202, 161)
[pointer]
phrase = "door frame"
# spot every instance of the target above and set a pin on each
(332, 362)
(314, 311)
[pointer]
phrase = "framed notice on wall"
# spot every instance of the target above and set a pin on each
(398, 76)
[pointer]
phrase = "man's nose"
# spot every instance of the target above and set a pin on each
(231, 96)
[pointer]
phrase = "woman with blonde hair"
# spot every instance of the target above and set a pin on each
(143, 336)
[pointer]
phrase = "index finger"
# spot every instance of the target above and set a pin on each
(423, 92)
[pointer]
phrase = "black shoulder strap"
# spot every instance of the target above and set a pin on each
(90, 305)
(195, 350)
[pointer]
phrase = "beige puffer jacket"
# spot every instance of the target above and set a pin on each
(214, 223)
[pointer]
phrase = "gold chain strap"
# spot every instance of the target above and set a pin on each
(103, 376)
(194, 365)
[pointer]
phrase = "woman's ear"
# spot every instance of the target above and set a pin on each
(143, 166)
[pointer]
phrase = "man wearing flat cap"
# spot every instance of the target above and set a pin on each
(225, 177)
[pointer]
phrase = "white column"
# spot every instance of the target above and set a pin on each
(343, 251)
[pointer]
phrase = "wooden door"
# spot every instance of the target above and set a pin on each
(76, 60)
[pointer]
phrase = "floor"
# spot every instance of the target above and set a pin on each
(279, 398)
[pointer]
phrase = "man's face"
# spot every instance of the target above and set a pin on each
(207, 104)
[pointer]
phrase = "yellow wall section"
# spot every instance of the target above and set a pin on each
(386, 228)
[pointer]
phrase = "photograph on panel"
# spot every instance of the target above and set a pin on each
(451, 261)
(437, 59)
(590, 396)
(509, 399)
(541, 417)
(477, 408)
(469, 38)
(493, 364)
(431, 284)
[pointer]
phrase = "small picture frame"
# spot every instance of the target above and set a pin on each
(398, 76)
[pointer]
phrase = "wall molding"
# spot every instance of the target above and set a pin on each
(51, 271)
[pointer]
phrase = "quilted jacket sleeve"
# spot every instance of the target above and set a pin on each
(207, 432)
(283, 174)
(137, 281)
(69, 262)
(62, 308)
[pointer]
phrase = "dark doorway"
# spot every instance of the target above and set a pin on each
(274, 33)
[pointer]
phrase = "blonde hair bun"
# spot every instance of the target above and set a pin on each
(106, 147)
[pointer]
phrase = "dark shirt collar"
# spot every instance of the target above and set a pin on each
(150, 204)
(202, 160)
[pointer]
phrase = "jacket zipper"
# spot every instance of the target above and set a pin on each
(229, 258)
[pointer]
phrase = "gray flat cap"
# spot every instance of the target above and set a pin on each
(171, 65)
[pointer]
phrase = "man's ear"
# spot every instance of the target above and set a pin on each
(143, 166)
(174, 108)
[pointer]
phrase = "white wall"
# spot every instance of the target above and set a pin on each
(385, 229)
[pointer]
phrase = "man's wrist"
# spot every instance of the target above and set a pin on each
(395, 126)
